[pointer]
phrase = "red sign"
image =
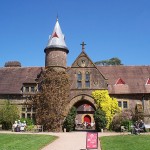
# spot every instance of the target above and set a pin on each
(92, 140)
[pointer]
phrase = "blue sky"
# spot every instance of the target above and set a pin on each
(110, 28)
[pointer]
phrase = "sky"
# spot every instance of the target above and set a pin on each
(110, 28)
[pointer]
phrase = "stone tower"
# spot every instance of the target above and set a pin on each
(56, 50)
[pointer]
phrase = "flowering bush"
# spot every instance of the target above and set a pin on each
(124, 118)
(107, 104)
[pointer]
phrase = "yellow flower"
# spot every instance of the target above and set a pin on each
(106, 103)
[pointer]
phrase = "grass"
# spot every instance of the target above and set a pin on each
(24, 141)
(126, 142)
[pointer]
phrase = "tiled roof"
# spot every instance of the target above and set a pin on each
(12, 78)
(135, 78)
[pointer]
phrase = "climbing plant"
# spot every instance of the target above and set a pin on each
(52, 99)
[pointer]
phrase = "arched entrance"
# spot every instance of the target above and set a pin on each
(84, 117)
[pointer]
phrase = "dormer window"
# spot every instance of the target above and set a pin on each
(148, 81)
(29, 88)
(32, 89)
(120, 82)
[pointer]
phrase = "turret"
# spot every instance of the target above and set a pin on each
(56, 50)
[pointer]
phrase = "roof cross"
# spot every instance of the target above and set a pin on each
(83, 44)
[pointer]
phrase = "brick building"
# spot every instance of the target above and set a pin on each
(129, 84)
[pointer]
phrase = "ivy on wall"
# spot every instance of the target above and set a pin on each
(52, 99)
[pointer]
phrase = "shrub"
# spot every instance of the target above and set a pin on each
(107, 104)
(8, 114)
(69, 122)
(124, 118)
(28, 121)
(29, 127)
(100, 119)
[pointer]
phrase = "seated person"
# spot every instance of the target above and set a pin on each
(23, 126)
(136, 128)
(142, 126)
(14, 126)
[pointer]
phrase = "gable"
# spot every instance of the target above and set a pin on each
(83, 61)
(148, 81)
(84, 68)
(120, 81)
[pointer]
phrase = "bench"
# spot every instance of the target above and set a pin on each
(123, 129)
(0, 126)
(38, 128)
(147, 126)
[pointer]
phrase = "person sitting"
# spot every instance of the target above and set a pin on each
(136, 129)
(14, 126)
(142, 126)
(23, 126)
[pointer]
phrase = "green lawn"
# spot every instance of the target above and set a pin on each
(126, 142)
(24, 141)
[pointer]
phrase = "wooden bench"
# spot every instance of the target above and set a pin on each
(38, 128)
(147, 126)
(0, 126)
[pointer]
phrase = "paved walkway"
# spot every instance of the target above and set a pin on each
(68, 140)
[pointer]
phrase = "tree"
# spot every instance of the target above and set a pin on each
(107, 104)
(110, 62)
(100, 119)
(8, 114)
(52, 99)
(69, 122)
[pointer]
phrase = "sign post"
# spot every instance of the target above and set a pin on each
(92, 140)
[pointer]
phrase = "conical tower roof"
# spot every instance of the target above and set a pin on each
(57, 39)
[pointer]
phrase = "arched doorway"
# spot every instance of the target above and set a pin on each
(87, 119)
(84, 117)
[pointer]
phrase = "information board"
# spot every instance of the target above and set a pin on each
(92, 140)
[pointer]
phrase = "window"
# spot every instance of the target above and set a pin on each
(34, 109)
(23, 115)
(32, 89)
(26, 89)
(87, 79)
(28, 111)
(119, 103)
(79, 80)
(29, 116)
(79, 76)
(123, 104)
(23, 109)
